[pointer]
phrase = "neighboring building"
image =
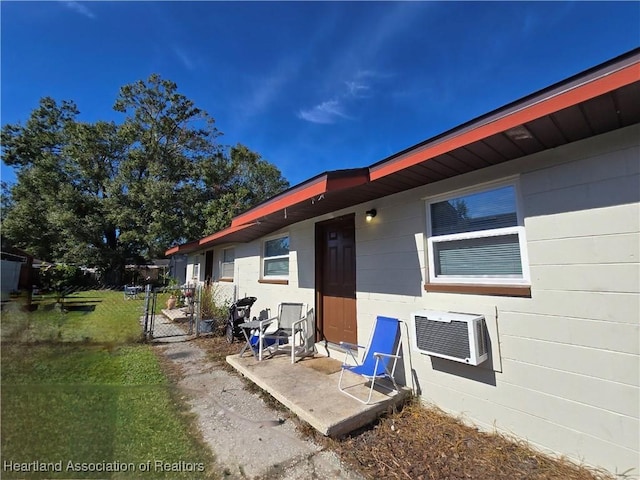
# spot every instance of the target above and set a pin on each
(529, 216)
(11, 266)
(16, 271)
(178, 268)
(154, 272)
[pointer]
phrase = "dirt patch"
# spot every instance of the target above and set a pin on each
(216, 346)
(324, 365)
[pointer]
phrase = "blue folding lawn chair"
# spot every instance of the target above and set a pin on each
(383, 350)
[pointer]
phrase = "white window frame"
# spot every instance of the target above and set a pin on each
(223, 263)
(496, 232)
(263, 257)
(196, 270)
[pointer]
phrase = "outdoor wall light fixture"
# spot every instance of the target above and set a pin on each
(370, 214)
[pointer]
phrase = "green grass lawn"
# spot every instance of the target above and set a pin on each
(80, 394)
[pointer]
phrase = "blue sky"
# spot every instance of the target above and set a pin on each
(311, 86)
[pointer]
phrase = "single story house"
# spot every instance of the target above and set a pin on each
(528, 216)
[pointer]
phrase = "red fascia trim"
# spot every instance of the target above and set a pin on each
(278, 203)
(581, 93)
(328, 182)
(181, 248)
(224, 233)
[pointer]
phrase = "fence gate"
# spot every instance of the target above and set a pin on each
(161, 322)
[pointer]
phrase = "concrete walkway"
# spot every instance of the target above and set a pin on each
(249, 439)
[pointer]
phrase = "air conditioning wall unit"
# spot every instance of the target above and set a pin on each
(456, 336)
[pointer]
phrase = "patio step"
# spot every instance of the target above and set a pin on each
(176, 314)
(309, 388)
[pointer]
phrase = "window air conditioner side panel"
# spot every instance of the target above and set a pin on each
(482, 338)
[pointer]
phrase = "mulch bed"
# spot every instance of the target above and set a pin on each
(420, 443)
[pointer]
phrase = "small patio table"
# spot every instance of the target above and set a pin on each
(248, 326)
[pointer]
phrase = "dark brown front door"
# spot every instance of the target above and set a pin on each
(208, 266)
(336, 280)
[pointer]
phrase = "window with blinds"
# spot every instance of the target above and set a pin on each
(477, 237)
(275, 258)
(228, 263)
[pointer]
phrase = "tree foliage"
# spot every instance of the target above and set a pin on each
(59, 278)
(105, 194)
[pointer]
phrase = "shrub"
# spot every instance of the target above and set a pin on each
(213, 305)
(60, 279)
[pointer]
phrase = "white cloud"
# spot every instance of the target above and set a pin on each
(359, 82)
(370, 74)
(256, 94)
(265, 90)
(357, 89)
(186, 60)
(326, 112)
(354, 91)
(399, 18)
(80, 8)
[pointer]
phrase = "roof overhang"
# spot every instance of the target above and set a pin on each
(183, 248)
(298, 203)
(304, 201)
(546, 105)
(602, 99)
(310, 190)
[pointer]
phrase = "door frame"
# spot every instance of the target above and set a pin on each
(319, 242)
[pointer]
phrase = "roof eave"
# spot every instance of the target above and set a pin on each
(313, 188)
(350, 187)
(182, 248)
(573, 91)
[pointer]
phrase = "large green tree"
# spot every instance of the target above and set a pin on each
(105, 194)
(247, 179)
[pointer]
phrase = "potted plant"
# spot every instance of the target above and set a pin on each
(213, 309)
(174, 294)
(171, 302)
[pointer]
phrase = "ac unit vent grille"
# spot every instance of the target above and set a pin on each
(447, 338)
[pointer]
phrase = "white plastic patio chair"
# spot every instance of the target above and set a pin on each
(383, 349)
(130, 292)
(288, 328)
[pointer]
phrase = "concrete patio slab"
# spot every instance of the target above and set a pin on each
(309, 388)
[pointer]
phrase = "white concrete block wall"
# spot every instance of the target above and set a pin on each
(301, 272)
(565, 368)
(564, 371)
